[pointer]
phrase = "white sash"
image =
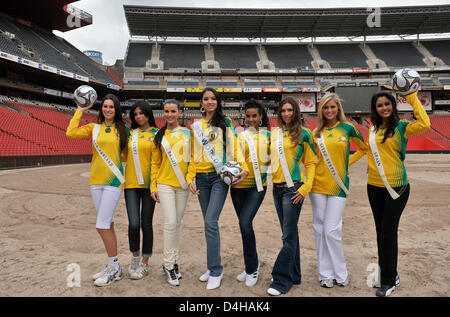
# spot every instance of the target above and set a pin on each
(329, 162)
(209, 150)
(105, 157)
(254, 159)
(379, 164)
(284, 166)
(136, 160)
(174, 163)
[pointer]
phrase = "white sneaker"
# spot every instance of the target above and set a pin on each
(171, 277)
(110, 275)
(273, 292)
(251, 279)
(327, 283)
(140, 272)
(214, 282)
(177, 271)
(99, 274)
(241, 277)
(205, 276)
(134, 264)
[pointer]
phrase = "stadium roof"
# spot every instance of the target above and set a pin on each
(283, 23)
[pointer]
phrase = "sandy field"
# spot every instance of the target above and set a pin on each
(47, 229)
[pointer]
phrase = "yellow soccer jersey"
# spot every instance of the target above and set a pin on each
(145, 144)
(179, 140)
(337, 141)
(261, 139)
(393, 150)
(200, 162)
(109, 142)
(295, 153)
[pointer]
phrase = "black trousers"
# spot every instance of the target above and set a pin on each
(386, 213)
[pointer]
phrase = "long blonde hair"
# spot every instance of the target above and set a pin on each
(325, 99)
(295, 126)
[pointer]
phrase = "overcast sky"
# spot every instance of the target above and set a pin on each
(109, 32)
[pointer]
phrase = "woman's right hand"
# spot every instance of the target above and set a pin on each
(155, 196)
(193, 189)
(83, 109)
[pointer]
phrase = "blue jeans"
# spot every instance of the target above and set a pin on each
(286, 270)
(213, 193)
(246, 202)
(140, 218)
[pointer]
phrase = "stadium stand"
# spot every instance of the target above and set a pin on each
(236, 56)
(398, 54)
(440, 49)
(138, 54)
(342, 55)
(289, 56)
(182, 56)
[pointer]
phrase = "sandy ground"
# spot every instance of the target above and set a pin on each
(47, 227)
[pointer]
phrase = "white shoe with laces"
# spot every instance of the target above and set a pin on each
(134, 265)
(140, 272)
(171, 277)
(99, 274)
(110, 275)
(251, 279)
(205, 276)
(214, 282)
(242, 276)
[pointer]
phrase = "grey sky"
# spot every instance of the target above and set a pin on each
(109, 32)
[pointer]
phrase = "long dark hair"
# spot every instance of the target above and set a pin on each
(255, 104)
(295, 126)
(160, 134)
(377, 121)
(146, 110)
(118, 119)
(218, 119)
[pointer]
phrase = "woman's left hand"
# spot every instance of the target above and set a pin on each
(242, 175)
(297, 197)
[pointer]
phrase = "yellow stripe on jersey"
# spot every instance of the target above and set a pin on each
(261, 139)
(393, 150)
(337, 141)
(295, 153)
(100, 174)
(162, 170)
(145, 144)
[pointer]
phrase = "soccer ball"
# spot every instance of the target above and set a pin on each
(85, 95)
(229, 171)
(406, 81)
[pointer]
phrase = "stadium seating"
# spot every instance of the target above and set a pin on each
(138, 54)
(182, 56)
(289, 56)
(236, 56)
(441, 124)
(342, 55)
(440, 49)
(398, 54)
(46, 48)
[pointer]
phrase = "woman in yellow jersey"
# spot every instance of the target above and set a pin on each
(140, 206)
(387, 184)
(332, 139)
(209, 151)
(290, 144)
(254, 145)
(170, 161)
(109, 139)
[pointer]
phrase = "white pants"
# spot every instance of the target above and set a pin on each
(105, 201)
(173, 202)
(327, 224)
